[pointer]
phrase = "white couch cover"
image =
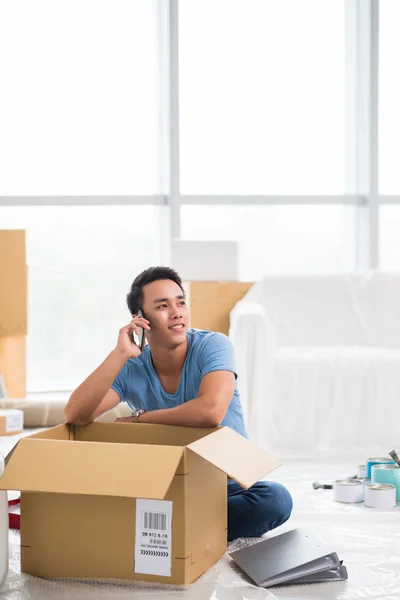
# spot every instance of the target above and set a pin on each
(318, 359)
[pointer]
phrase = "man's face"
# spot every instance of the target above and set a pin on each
(164, 305)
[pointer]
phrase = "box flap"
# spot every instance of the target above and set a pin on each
(58, 432)
(140, 433)
(239, 458)
(94, 468)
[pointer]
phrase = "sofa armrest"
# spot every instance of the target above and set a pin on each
(250, 326)
(254, 341)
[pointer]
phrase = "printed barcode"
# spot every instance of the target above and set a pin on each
(159, 542)
(155, 521)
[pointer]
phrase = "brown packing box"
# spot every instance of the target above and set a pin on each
(13, 283)
(11, 421)
(13, 312)
(211, 303)
(128, 501)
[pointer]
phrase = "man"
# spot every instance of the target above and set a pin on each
(182, 377)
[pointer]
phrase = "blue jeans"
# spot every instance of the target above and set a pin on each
(264, 506)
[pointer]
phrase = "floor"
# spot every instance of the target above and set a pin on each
(368, 540)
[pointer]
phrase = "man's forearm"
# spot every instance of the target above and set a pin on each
(87, 397)
(194, 413)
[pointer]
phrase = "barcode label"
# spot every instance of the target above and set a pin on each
(155, 521)
(153, 541)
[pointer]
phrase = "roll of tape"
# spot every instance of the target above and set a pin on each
(361, 471)
(377, 461)
(380, 495)
(348, 490)
(387, 474)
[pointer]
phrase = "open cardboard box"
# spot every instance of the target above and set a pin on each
(128, 501)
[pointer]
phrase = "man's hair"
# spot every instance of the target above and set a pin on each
(134, 298)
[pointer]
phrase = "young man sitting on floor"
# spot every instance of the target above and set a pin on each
(182, 376)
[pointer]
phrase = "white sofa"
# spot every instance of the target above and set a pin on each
(318, 359)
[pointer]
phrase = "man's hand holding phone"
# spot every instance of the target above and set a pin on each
(126, 344)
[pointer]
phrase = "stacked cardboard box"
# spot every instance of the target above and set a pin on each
(13, 312)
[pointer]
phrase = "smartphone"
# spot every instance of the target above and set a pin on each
(140, 340)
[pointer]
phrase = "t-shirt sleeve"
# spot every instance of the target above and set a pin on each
(119, 384)
(217, 354)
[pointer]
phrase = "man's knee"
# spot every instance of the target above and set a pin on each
(274, 506)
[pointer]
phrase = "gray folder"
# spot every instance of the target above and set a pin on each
(296, 556)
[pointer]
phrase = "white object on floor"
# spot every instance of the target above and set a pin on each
(362, 471)
(380, 495)
(318, 359)
(348, 490)
(366, 539)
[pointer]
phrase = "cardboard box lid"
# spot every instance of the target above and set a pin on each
(95, 468)
(240, 459)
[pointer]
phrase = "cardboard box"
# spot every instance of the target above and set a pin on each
(13, 283)
(212, 302)
(11, 421)
(13, 365)
(128, 501)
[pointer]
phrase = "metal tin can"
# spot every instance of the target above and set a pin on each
(387, 474)
(348, 490)
(380, 495)
(377, 461)
(361, 471)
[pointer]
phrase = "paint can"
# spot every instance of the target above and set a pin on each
(377, 461)
(348, 490)
(361, 471)
(365, 480)
(387, 474)
(380, 495)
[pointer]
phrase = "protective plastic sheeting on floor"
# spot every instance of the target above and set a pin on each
(367, 540)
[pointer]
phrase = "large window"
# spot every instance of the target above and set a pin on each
(81, 263)
(389, 97)
(79, 100)
(278, 239)
(390, 238)
(262, 121)
(262, 93)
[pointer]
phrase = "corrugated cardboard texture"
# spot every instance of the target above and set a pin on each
(141, 433)
(13, 283)
(13, 365)
(212, 302)
(93, 537)
(239, 458)
(60, 432)
(81, 523)
(94, 468)
(206, 520)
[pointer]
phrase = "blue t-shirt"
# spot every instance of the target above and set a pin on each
(137, 383)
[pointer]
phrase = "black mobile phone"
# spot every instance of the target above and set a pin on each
(140, 340)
